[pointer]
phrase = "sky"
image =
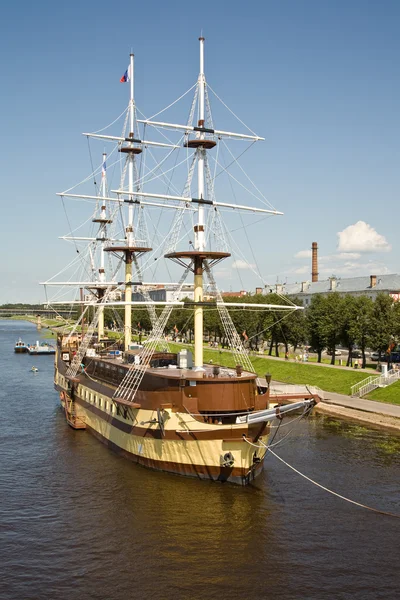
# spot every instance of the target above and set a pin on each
(319, 80)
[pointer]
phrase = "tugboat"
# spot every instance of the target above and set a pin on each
(20, 347)
(164, 409)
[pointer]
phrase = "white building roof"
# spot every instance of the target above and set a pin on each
(384, 283)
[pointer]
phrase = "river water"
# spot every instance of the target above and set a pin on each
(79, 522)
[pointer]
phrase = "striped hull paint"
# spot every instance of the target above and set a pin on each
(241, 476)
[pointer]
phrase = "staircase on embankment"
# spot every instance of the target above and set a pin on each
(365, 386)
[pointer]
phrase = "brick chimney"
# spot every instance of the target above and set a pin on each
(372, 281)
(314, 272)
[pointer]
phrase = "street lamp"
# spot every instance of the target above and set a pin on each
(268, 378)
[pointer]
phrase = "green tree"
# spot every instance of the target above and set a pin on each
(316, 317)
(361, 325)
(296, 326)
(396, 321)
(347, 334)
(382, 323)
(332, 321)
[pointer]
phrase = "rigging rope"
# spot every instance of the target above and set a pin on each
(109, 125)
(172, 103)
(231, 111)
(382, 512)
(91, 164)
(360, 504)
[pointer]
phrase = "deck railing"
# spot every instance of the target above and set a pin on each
(296, 390)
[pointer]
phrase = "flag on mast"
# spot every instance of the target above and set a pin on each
(126, 76)
(103, 169)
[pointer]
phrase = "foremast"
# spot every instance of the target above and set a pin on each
(201, 255)
(199, 234)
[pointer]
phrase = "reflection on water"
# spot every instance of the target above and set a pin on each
(77, 521)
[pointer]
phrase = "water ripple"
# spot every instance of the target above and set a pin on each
(78, 522)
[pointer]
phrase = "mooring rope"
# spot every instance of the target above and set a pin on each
(382, 512)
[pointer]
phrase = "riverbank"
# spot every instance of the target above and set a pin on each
(362, 410)
(373, 420)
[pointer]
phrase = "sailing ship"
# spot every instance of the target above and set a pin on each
(164, 409)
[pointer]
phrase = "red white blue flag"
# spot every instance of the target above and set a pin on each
(126, 76)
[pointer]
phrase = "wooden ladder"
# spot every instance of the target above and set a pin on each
(70, 414)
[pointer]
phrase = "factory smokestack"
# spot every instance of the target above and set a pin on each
(314, 273)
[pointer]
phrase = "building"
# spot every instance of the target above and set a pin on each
(165, 294)
(114, 296)
(234, 294)
(369, 285)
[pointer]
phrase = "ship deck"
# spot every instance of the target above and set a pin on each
(174, 372)
(206, 373)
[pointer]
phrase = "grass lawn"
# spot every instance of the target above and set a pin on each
(389, 394)
(328, 379)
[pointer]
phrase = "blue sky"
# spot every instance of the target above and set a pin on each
(319, 80)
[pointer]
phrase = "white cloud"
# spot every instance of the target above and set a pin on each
(303, 254)
(339, 256)
(242, 264)
(351, 268)
(223, 273)
(301, 270)
(361, 237)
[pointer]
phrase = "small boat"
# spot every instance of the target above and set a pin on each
(34, 369)
(42, 348)
(20, 346)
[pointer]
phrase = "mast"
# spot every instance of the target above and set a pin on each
(199, 236)
(200, 258)
(103, 217)
(129, 229)
(129, 249)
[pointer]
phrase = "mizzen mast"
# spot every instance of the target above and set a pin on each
(103, 221)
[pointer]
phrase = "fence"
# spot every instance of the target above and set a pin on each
(371, 383)
(296, 390)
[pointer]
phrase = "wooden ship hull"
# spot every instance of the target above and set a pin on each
(181, 422)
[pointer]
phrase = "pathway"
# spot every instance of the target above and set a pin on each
(369, 406)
